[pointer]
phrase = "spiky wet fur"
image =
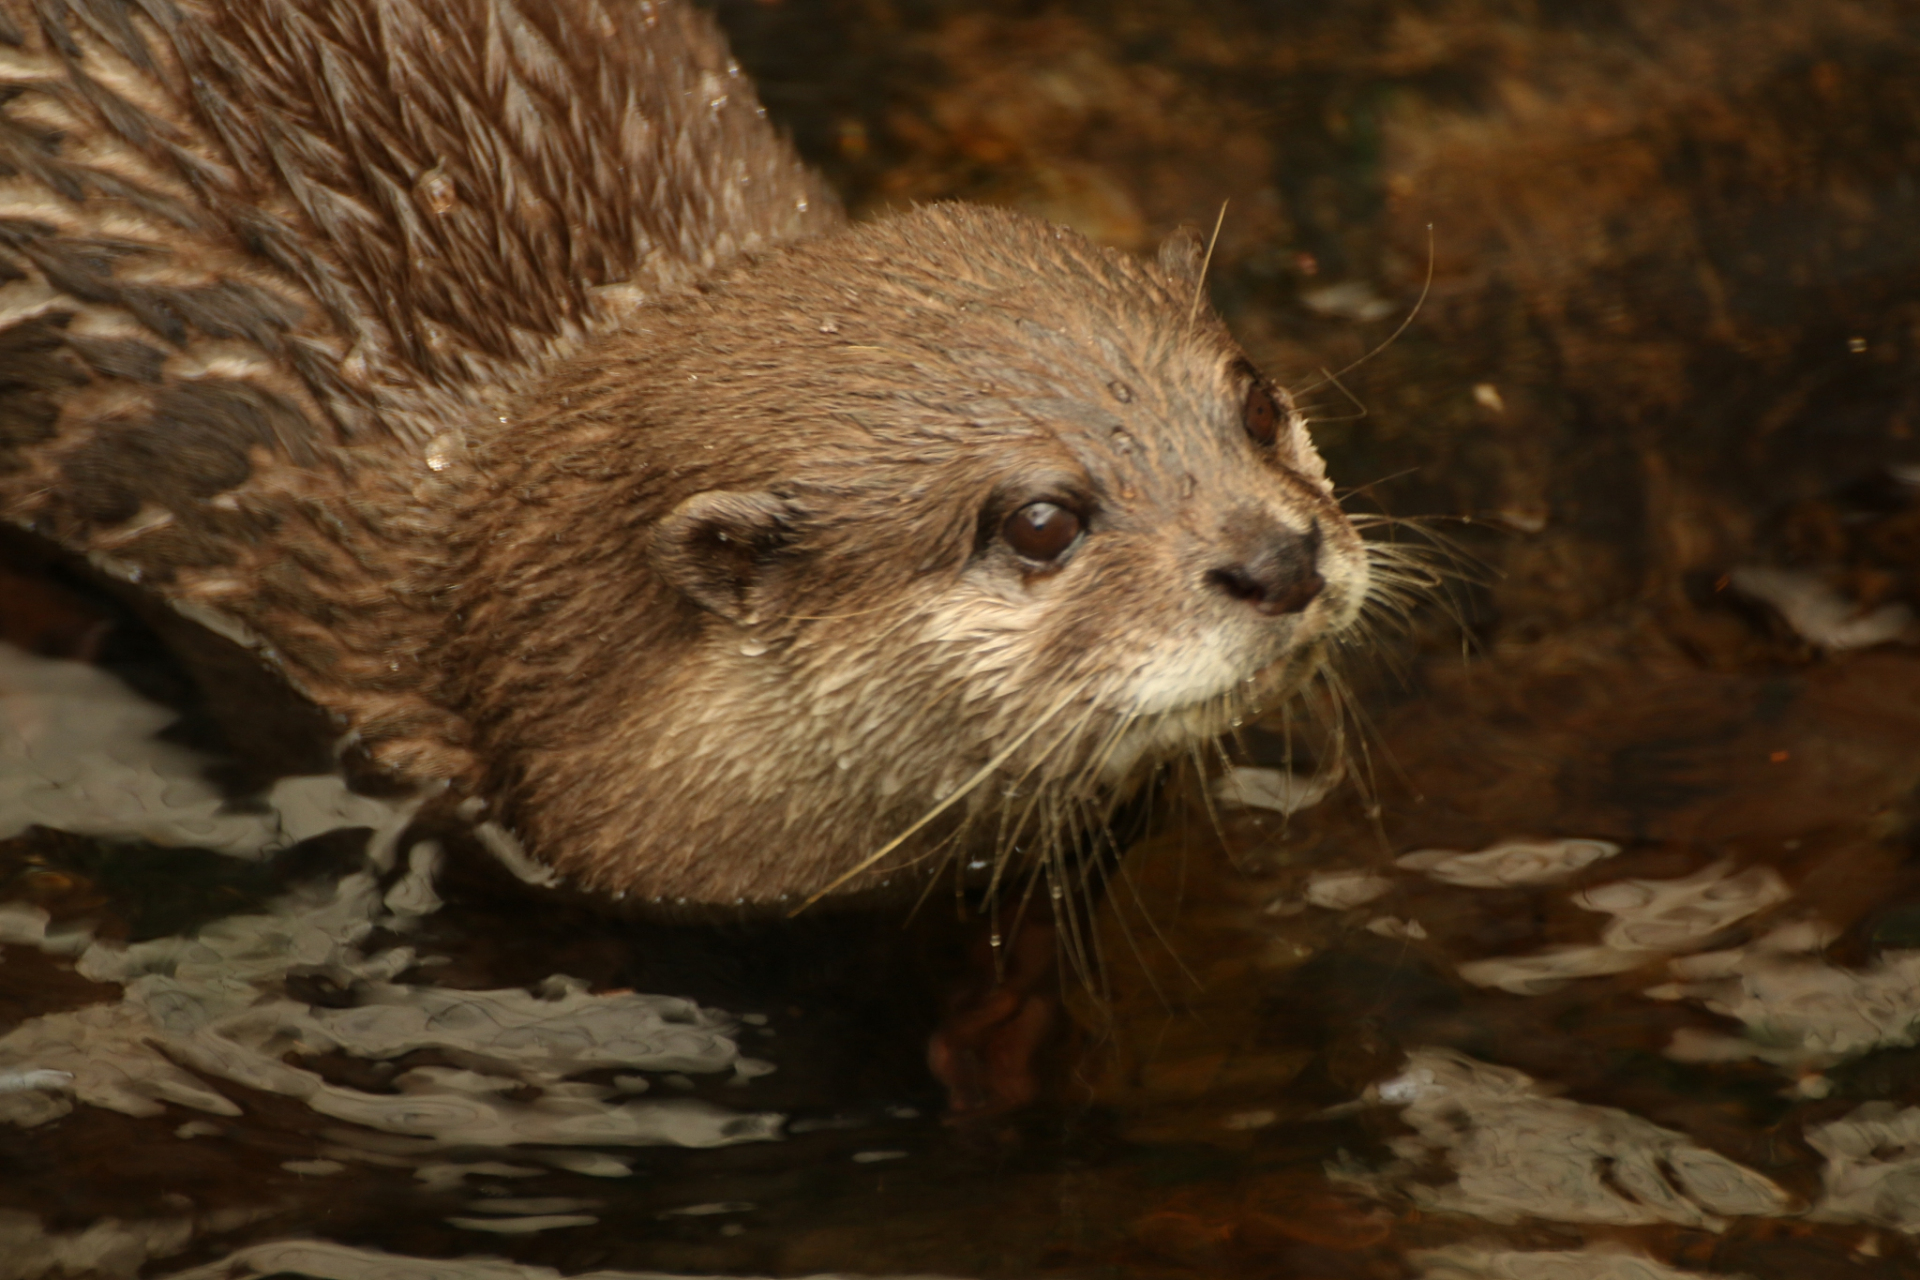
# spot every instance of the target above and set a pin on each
(896, 388)
(268, 266)
(362, 334)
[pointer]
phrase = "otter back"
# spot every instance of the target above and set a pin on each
(499, 376)
(265, 267)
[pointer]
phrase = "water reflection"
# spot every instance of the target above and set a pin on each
(1645, 972)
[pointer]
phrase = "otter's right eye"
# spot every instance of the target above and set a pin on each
(1041, 530)
(1261, 416)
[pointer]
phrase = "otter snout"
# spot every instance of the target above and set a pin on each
(1275, 570)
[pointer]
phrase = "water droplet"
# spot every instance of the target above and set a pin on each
(436, 191)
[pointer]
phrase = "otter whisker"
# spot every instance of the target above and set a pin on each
(1117, 873)
(1433, 542)
(1035, 870)
(1200, 284)
(1345, 494)
(1067, 920)
(1426, 287)
(1114, 865)
(1366, 732)
(1009, 837)
(1094, 841)
(1098, 761)
(955, 837)
(1420, 569)
(1089, 824)
(1062, 818)
(959, 793)
(1206, 798)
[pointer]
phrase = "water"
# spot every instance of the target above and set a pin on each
(1595, 952)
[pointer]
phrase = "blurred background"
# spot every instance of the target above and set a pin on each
(1672, 312)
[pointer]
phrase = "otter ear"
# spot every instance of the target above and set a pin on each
(1181, 257)
(716, 547)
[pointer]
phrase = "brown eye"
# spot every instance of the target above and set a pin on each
(1041, 530)
(1261, 416)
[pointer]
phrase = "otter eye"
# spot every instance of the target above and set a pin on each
(1041, 530)
(1261, 416)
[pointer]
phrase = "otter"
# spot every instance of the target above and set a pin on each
(498, 375)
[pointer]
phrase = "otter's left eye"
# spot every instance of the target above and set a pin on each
(1041, 531)
(1261, 416)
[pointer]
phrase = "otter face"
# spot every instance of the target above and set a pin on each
(1173, 560)
(943, 528)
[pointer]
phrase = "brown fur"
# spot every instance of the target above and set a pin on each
(256, 258)
(887, 396)
(364, 332)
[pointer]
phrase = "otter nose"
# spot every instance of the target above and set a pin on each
(1277, 572)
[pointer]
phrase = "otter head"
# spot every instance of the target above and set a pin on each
(947, 527)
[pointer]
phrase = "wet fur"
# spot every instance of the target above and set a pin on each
(256, 258)
(504, 380)
(892, 394)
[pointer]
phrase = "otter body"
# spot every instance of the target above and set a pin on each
(501, 377)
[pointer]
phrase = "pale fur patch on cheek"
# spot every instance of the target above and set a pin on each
(993, 637)
(998, 644)
(1001, 644)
